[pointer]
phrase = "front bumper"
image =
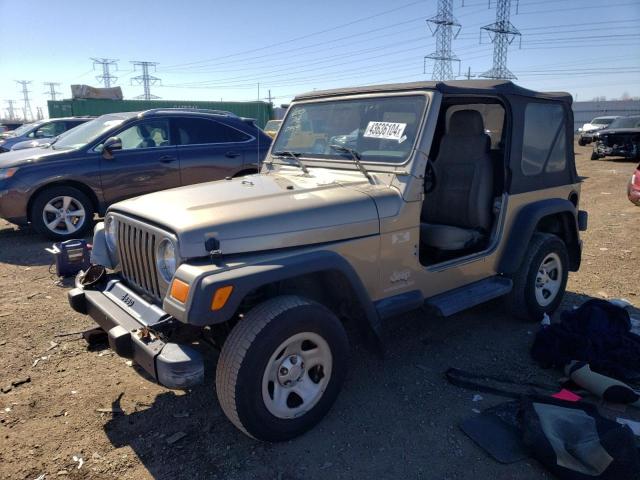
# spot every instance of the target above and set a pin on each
(608, 148)
(586, 138)
(13, 201)
(170, 364)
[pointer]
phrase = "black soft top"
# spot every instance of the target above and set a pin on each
(454, 87)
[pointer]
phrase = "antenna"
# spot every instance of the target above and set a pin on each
(26, 109)
(145, 79)
(502, 34)
(442, 26)
(52, 89)
(106, 78)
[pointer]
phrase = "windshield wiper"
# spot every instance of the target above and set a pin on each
(356, 159)
(293, 155)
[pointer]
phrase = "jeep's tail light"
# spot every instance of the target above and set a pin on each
(179, 290)
(220, 298)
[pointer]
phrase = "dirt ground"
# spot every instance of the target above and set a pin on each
(395, 418)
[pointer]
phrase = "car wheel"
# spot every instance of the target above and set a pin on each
(281, 368)
(61, 213)
(539, 284)
(594, 156)
(581, 142)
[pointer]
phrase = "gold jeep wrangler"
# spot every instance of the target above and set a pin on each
(420, 195)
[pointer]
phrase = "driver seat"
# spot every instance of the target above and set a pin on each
(456, 215)
(147, 141)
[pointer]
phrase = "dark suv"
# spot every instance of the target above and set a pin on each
(121, 155)
(38, 132)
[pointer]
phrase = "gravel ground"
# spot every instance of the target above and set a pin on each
(395, 418)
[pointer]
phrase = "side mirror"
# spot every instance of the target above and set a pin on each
(111, 145)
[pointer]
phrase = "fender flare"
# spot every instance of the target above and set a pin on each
(248, 278)
(524, 226)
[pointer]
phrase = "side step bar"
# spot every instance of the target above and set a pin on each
(468, 296)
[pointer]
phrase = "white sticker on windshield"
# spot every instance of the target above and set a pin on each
(386, 130)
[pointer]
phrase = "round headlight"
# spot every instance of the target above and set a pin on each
(110, 227)
(166, 259)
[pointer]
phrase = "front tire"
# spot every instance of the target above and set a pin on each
(540, 283)
(62, 213)
(282, 368)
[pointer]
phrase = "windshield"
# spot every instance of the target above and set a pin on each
(380, 129)
(23, 129)
(272, 125)
(601, 121)
(626, 122)
(83, 134)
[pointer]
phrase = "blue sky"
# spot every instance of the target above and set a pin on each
(212, 50)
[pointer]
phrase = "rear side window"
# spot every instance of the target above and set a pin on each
(196, 131)
(544, 146)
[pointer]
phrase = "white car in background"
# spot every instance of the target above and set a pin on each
(587, 130)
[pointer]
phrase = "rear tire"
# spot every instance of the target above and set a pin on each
(281, 368)
(539, 284)
(62, 213)
(594, 156)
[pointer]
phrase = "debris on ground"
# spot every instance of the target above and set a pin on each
(112, 410)
(176, 437)
(37, 360)
(79, 460)
(20, 381)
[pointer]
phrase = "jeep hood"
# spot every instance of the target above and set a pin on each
(260, 212)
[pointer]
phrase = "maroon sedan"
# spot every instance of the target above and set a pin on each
(633, 190)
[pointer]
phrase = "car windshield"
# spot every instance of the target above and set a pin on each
(380, 129)
(87, 132)
(23, 129)
(626, 122)
(272, 125)
(601, 121)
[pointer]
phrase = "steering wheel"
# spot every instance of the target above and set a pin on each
(430, 180)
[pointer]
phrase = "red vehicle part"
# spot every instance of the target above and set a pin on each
(633, 190)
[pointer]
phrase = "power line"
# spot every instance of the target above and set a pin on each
(106, 63)
(442, 26)
(145, 79)
(295, 39)
(26, 109)
(52, 89)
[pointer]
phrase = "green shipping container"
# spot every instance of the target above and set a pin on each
(261, 111)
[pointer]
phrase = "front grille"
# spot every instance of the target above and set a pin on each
(137, 254)
(612, 140)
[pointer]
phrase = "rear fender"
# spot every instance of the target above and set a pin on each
(532, 218)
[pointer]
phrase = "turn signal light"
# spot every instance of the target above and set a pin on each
(179, 290)
(220, 297)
